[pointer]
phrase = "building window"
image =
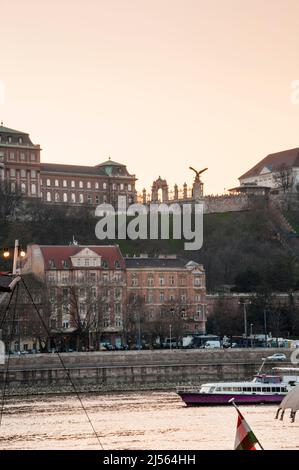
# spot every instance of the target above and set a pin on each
(81, 198)
(64, 197)
(23, 173)
(64, 183)
(9, 140)
(49, 197)
(162, 296)
(150, 298)
(171, 280)
(89, 199)
(57, 197)
(197, 298)
(104, 264)
(32, 157)
(88, 185)
(56, 183)
(65, 324)
(97, 200)
(122, 186)
(96, 185)
(114, 186)
(150, 281)
(22, 156)
(117, 264)
(197, 281)
(12, 172)
(13, 187)
(73, 185)
(48, 182)
(20, 140)
(81, 184)
(104, 185)
(134, 280)
(23, 188)
(33, 189)
(161, 280)
(73, 197)
(129, 187)
(33, 174)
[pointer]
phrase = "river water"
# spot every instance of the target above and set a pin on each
(131, 420)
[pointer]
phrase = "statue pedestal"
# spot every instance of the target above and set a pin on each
(197, 190)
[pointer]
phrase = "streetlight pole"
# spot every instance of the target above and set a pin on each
(15, 257)
(245, 323)
(170, 336)
(251, 333)
(139, 332)
(265, 327)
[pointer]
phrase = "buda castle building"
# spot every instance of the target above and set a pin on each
(21, 168)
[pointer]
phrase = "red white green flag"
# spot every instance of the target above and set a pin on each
(245, 437)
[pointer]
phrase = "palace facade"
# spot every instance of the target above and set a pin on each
(21, 167)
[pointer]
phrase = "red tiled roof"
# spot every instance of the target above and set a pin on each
(274, 161)
(60, 254)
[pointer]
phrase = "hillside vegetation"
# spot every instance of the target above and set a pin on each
(239, 249)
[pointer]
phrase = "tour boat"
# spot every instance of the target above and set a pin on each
(262, 389)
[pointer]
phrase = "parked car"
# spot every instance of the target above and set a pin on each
(170, 343)
(276, 357)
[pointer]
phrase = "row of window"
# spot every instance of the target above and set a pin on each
(85, 263)
(80, 185)
(197, 281)
(23, 188)
(23, 157)
(74, 198)
(23, 173)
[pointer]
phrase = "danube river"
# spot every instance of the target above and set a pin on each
(131, 420)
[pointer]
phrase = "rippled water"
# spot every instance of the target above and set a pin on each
(145, 420)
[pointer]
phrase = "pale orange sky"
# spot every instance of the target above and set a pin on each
(156, 84)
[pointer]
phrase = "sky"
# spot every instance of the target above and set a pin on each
(156, 84)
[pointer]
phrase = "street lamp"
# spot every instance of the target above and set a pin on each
(170, 336)
(17, 254)
(251, 333)
(244, 303)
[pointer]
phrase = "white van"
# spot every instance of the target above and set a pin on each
(212, 345)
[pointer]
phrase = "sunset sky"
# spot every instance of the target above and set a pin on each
(156, 84)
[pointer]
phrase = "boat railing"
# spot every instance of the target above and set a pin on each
(188, 388)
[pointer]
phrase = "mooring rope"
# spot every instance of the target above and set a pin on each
(6, 382)
(63, 365)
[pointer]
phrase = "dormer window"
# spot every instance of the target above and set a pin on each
(9, 140)
(64, 263)
(51, 263)
(117, 264)
(20, 140)
(104, 264)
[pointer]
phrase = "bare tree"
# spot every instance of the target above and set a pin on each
(10, 200)
(284, 178)
(135, 324)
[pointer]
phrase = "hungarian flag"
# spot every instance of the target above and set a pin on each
(245, 438)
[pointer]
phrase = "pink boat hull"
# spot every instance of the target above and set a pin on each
(210, 399)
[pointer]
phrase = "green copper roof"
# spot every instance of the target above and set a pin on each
(6, 130)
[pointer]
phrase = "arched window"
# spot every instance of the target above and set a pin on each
(73, 197)
(129, 187)
(33, 189)
(64, 183)
(23, 188)
(57, 198)
(117, 264)
(73, 184)
(49, 197)
(64, 197)
(56, 183)
(88, 184)
(104, 185)
(48, 182)
(80, 184)
(81, 198)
